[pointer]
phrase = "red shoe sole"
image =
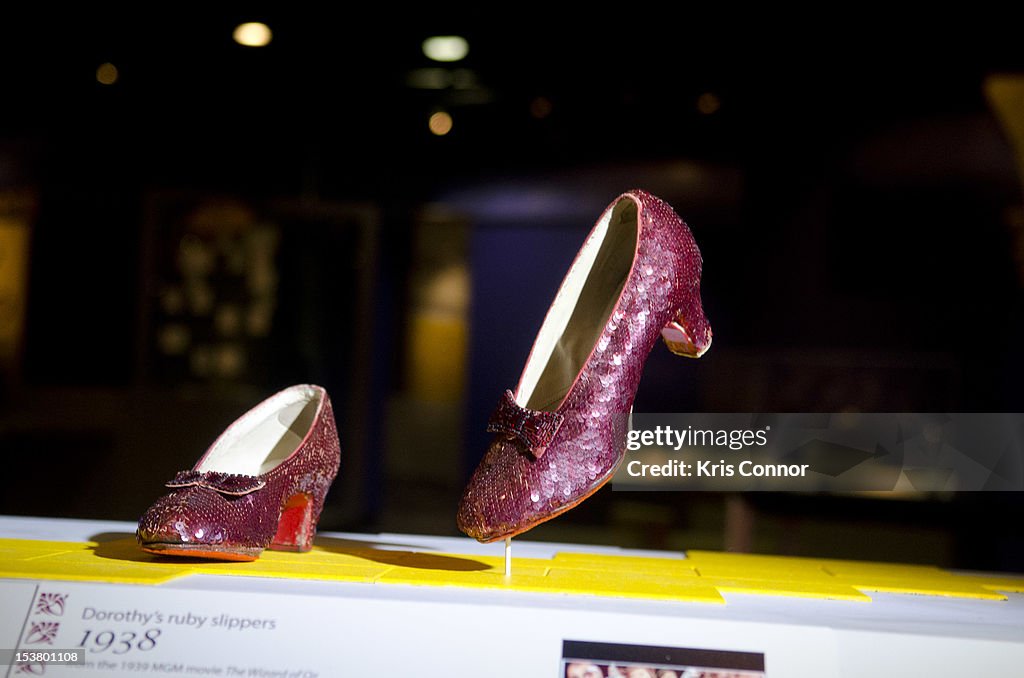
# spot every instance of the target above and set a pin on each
(204, 551)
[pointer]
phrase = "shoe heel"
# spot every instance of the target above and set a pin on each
(295, 528)
(679, 340)
(676, 339)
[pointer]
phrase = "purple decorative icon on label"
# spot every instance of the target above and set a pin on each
(51, 604)
(42, 633)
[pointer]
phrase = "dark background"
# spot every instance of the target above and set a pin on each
(856, 198)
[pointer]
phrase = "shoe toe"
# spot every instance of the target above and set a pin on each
(498, 502)
(193, 516)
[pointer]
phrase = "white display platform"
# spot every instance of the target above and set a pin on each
(194, 625)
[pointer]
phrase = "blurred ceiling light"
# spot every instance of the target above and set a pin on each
(440, 123)
(446, 48)
(253, 34)
(106, 74)
(429, 78)
(708, 103)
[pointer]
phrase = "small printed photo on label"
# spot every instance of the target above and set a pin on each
(582, 659)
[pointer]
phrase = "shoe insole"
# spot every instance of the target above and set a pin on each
(594, 305)
(259, 443)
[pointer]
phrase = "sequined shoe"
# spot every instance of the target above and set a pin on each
(260, 485)
(561, 434)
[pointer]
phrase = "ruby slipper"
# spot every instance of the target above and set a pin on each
(260, 485)
(562, 433)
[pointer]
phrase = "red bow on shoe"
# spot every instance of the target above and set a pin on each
(226, 483)
(534, 428)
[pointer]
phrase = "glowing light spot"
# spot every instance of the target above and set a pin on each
(540, 108)
(446, 48)
(708, 103)
(253, 34)
(106, 74)
(440, 123)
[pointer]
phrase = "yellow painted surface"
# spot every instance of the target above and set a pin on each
(14, 237)
(703, 576)
(437, 348)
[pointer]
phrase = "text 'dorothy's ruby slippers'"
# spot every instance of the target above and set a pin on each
(562, 433)
(260, 485)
